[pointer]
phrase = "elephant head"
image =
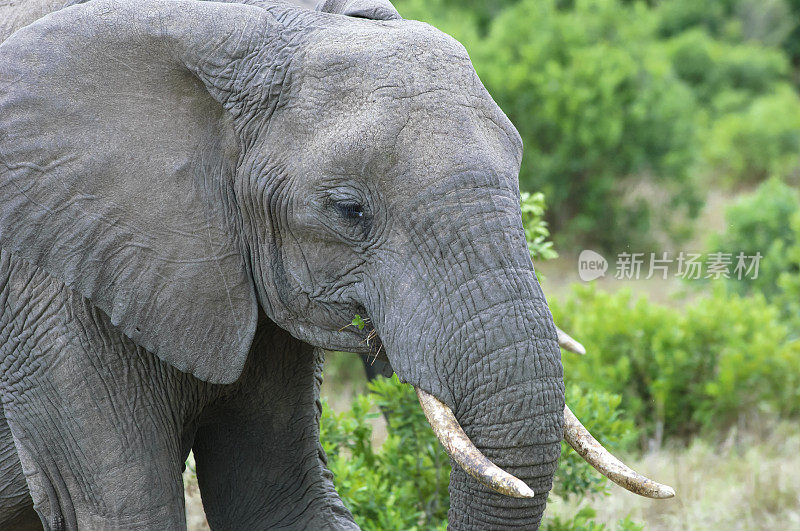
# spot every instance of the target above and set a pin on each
(185, 165)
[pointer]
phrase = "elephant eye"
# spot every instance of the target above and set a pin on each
(351, 210)
(356, 217)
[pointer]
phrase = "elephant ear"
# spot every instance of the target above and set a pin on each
(371, 9)
(117, 168)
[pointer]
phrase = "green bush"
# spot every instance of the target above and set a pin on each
(741, 79)
(789, 280)
(747, 147)
(751, 112)
(584, 521)
(403, 484)
(714, 68)
(602, 415)
(769, 22)
(623, 105)
(536, 232)
(598, 109)
(461, 23)
(792, 42)
(400, 485)
(677, 16)
(760, 222)
(479, 12)
(680, 372)
(767, 222)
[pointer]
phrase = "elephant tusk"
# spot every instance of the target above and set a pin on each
(568, 343)
(593, 452)
(462, 451)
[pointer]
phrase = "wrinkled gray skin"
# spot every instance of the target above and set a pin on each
(195, 193)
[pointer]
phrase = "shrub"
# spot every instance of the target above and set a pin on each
(480, 12)
(623, 104)
(677, 16)
(682, 371)
(461, 23)
(764, 140)
(770, 22)
(789, 280)
(767, 222)
(584, 521)
(598, 110)
(792, 42)
(602, 415)
(759, 222)
(400, 485)
(713, 68)
(752, 113)
(536, 232)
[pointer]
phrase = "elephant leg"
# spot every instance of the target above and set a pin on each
(259, 461)
(95, 420)
(16, 505)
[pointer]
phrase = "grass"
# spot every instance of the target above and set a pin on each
(749, 481)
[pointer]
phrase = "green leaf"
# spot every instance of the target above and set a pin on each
(358, 322)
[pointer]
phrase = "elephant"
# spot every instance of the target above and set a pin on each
(196, 197)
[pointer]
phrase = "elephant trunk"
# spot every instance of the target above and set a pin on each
(476, 464)
(465, 320)
(508, 397)
(460, 448)
(518, 428)
(475, 507)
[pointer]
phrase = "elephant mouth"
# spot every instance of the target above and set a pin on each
(467, 456)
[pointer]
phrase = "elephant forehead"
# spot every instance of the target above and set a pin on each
(422, 136)
(398, 99)
(415, 152)
(370, 61)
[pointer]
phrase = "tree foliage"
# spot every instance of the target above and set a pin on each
(767, 222)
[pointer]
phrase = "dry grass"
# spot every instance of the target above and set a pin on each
(750, 482)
